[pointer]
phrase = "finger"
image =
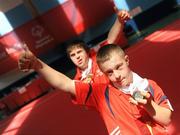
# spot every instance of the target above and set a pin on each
(126, 16)
(23, 57)
(123, 16)
(146, 94)
(22, 67)
(25, 47)
(25, 70)
(141, 101)
(116, 9)
(131, 100)
(26, 55)
(123, 13)
(24, 61)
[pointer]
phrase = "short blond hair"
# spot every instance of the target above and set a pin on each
(106, 51)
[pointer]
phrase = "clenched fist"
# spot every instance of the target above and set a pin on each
(123, 15)
(27, 61)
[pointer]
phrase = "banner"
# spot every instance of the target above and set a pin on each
(36, 36)
(38, 40)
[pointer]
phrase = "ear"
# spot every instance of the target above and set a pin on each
(126, 57)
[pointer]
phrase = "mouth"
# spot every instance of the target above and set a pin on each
(122, 81)
(80, 60)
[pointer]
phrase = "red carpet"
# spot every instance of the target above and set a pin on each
(156, 57)
(53, 114)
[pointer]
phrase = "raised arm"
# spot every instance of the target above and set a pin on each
(28, 61)
(117, 28)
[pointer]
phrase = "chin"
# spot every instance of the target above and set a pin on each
(125, 84)
(118, 84)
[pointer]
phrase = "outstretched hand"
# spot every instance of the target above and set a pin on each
(123, 15)
(27, 60)
(146, 101)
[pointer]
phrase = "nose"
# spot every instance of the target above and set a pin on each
(117, 75)
(77, 56)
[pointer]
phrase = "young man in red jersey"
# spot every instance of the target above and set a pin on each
(128, 104)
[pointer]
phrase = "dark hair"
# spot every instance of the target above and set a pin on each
(105, 52)
(76, 44)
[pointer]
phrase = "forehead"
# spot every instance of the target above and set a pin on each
(114, 60)
(75, 48)
(115, 57)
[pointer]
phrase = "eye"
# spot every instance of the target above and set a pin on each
(109, 73)
(72, 55)
(119, 67)
(79, 51)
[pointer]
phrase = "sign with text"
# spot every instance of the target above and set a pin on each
(37, 38)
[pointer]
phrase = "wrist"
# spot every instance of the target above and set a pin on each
(150, 107)
(36, 64)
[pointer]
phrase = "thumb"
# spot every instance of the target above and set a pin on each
(116, 9)
(25, 47)
(26, 50)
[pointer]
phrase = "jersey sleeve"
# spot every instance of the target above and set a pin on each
(159, 97)
(77, 75)
(103, 43)
(95, 49)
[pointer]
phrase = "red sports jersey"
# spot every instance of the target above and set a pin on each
(95, 74)
(119, 115)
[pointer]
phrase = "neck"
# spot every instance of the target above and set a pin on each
(131, 77)
(86, 65)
